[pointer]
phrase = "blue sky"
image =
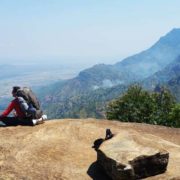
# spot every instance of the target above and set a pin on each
(82, 31)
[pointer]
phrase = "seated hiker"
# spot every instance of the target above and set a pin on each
(25, 114)
(28, 109)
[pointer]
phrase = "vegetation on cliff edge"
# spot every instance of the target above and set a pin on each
(139, 105)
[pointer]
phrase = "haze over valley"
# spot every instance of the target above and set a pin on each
(106, 74)
(77, 56)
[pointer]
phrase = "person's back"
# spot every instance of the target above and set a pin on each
(28, 109)
(21, 108)
(33, 109)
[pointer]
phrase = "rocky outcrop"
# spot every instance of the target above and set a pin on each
(62, 149)
(130, 156)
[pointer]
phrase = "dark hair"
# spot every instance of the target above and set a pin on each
(15, 89)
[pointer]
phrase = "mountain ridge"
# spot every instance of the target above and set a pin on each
(171, 71)
(164, 51)
(62, 98)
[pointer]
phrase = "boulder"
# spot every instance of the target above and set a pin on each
(132, 156)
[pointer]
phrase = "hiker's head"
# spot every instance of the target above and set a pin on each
(14, 90)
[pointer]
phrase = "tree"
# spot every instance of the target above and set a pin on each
(164, 102)
(138, 105)
(174, 116)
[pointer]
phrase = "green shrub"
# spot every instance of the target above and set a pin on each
(174, 116)
(138, 105)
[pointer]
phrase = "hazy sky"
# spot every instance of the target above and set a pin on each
(87, 31)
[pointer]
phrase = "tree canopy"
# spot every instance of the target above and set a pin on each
(139, 105)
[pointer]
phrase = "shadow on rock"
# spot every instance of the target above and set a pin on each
(96, 172)
(98, 142)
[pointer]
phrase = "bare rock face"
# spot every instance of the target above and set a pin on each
(62, 149)
(131, 156)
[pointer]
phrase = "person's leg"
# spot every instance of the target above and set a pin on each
(40, 120)
(26, 122)
(31, 112)
(10, 121)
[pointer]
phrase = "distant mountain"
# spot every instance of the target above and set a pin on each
(174, 86)
(89, 104)
(99, 76)
(93, 78)
(168, 77)
(171, 71)
(155, 58)
(129, 70)
(66, 98)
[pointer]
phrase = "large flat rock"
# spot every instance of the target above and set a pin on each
(61, 149)
(133, 156)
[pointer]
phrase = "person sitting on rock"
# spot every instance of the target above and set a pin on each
(20, 117)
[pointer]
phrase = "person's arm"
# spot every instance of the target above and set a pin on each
(8, 109)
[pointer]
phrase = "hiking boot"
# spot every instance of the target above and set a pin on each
(44, 117)
(40, 121)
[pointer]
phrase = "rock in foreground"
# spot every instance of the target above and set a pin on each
(61, 149)
(131, 156)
